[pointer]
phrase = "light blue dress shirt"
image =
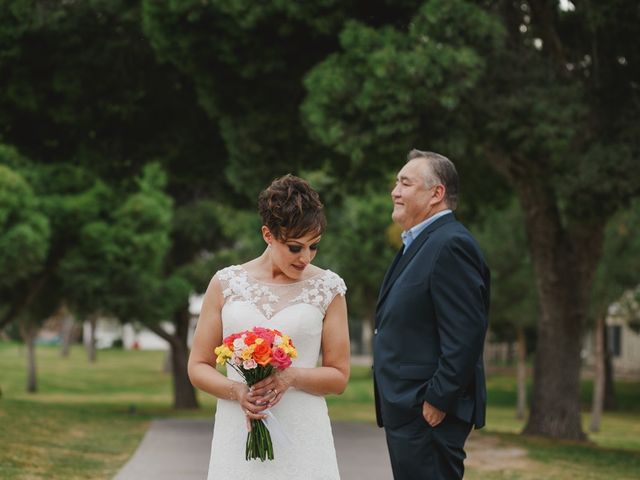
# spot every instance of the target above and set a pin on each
(410, 235)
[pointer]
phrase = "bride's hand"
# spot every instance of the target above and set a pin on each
(270, 390)
(249, 405)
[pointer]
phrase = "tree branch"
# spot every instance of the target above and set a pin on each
(543, 14)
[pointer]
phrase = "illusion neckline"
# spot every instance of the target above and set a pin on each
(321, 272)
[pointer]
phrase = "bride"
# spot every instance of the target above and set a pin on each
(280, 289)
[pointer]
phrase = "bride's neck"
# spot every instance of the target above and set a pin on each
(267, 269)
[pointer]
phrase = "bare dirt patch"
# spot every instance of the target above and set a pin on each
(488, 453)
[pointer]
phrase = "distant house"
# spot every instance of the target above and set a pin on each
(623, 342)
(110, 331)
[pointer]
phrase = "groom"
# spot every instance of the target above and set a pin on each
(431, 321)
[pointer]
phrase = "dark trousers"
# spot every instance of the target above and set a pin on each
(421, 452)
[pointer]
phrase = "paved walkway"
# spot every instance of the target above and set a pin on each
(179, 449)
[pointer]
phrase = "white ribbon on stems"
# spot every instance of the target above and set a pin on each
(278, 435)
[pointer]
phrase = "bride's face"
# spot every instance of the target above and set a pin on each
(293, 255)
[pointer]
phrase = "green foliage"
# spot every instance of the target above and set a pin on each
(513, 293)
(118, 266)
(25, 232)
(618, 270)
(390, 88)
(254, 91)
(86, 88)
(65, 197)
(89, 103)
(358, 249)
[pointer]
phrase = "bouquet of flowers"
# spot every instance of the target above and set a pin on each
(255, 354)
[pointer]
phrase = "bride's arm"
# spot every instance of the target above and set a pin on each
(207, 337)
(333, 375)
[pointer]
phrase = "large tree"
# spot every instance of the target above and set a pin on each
(84, 92)
(547, 97)
(24, 243)
(53, 204)
(247, 60)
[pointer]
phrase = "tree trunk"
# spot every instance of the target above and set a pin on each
(68, 324)
(90, 344)
(599, 380)
(521, 375)
(184, 395)
(563, 284)
(29, 333)
(610, 402)
(32, 378)
(167, 363)
(565, 255)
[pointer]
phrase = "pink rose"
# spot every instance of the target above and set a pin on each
(249, 364)
(280, 359)
(264, 333)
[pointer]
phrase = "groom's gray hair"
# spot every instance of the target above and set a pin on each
(441, 170)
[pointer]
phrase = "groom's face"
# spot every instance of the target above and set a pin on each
(411, 197)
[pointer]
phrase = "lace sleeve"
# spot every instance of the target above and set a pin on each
(228, 280)
(332, 285)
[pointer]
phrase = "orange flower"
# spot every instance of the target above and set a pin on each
(262, 354)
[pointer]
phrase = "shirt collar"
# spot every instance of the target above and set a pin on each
(408, 236)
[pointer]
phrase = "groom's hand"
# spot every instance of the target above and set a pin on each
(431, 414)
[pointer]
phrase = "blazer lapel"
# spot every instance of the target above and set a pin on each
(402, 260)
(387, 275)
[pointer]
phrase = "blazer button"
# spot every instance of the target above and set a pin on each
(375, 331)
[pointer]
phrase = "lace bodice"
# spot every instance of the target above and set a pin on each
(270, 298)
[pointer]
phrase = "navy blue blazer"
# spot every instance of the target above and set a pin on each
(431, 321)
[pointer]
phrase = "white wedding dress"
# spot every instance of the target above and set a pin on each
(297, 310)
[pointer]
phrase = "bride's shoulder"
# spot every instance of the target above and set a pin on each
(228, 272)
(331, 280)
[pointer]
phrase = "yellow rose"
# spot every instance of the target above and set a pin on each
(223, 352)
(247, 352)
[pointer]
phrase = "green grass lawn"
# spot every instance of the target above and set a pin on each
(86, 420)
(80, 423)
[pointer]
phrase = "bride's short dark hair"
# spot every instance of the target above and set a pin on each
(290, 208)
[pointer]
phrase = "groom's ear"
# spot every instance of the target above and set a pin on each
(438, 194)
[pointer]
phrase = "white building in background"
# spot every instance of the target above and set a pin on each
(110, 331)
(623, 342)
